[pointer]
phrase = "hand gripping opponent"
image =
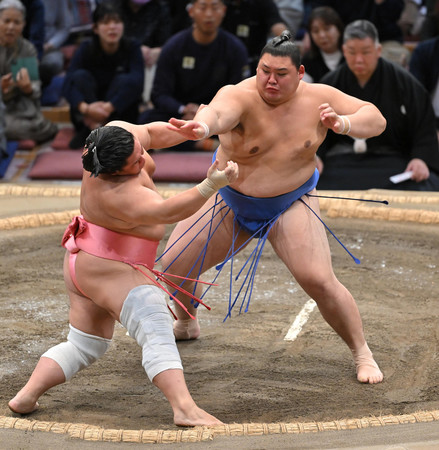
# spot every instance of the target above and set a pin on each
(217, 179)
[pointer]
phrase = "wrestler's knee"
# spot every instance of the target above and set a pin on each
(80, 351)
(320, 287)
(147, 318)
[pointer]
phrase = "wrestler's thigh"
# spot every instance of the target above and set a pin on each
(104, 283)
(89, 317)
(190, 236)
(84, 314)
(300, 241)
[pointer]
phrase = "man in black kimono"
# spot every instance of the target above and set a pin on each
(408, 146)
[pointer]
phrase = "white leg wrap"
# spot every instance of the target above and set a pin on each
(80, 351)
(146, 316)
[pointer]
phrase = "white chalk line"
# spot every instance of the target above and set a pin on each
(300, 320)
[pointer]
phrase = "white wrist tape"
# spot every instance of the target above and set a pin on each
(206, 131)
(345, 120)
(215, 181)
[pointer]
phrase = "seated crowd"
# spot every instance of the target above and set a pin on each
(147, 60)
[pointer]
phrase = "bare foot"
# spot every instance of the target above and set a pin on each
(22, 406)
(367, 369)
(186, 329)
(195, 417)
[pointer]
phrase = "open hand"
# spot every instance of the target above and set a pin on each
(190, 129)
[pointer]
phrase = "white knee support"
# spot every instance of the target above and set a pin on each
(146, 316)
(80, 351)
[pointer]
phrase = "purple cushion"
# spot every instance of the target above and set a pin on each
(61, 165)
(170, 166)
(62, 139)
(181, 166)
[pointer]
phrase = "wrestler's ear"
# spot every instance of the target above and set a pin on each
(301, 71)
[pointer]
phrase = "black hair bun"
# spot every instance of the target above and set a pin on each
(285, 36)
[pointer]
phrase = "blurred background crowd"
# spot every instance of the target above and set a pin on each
(147, 60)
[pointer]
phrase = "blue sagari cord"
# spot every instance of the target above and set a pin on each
(253, 259)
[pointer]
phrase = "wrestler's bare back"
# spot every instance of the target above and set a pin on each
(103, 280)
(275, 145)
(105, 201)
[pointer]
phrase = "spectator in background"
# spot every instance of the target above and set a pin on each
(104, 80)
(325, 29)
(409, 143)
(292, 13)
(179, 16)
(411, 19)
(82, 20)
(3, 143)
(34, 30)
(424, 65)
(148, 22)
(58, 20)
(194, 64)
(384, 14)
(430, 26)
(20, 83)
(253, 21)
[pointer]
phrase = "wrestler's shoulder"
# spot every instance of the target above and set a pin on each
(248, 84)
(320, 92)
(317, 88)
(141, 183)
(243, 93)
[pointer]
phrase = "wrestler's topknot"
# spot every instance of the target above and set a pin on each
(283, 45)
(90, 159)
(283, 37)
(107, 149)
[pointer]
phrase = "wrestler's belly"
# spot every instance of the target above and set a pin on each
(269, 173)
(269, 182)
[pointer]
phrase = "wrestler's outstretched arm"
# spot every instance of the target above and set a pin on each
(144, 206)
(221, 115)
(154, 135)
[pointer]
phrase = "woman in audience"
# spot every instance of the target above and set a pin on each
(20, 83)
(104, 80)
(325, 29)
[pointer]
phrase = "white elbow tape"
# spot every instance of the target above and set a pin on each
(146, 317)
(206, 131)
(80, 351)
